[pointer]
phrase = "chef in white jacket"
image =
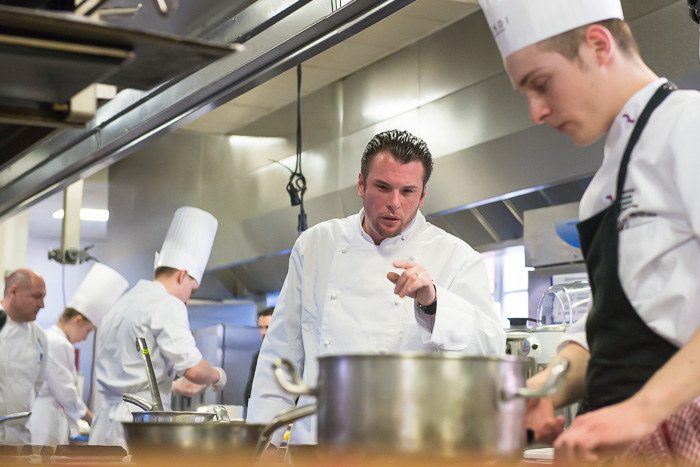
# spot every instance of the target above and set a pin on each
(634, 360)
(22, 351)
(59, 404)
(157, 311)
(383, 280)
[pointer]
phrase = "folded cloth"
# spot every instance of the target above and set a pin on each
(675, 442)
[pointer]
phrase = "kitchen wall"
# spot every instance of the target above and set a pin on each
(449, 88)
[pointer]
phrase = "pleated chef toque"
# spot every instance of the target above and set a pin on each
(188, 243)
(99, 290)
(515, 24)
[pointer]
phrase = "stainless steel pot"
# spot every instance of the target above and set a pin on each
(150, 415)
(188, 442)
(444, 405)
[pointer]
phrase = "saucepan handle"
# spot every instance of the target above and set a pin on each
(137, 401)
(14, 416)
(283, 371)
(554, 384)
(282, 419)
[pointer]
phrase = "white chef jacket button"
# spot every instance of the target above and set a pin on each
(326, 342)
(345, 250)
(397, 302)
(334, 296)
(382, 349)
(411, 258)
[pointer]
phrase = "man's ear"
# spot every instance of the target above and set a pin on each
(182, 275)
(601, 42)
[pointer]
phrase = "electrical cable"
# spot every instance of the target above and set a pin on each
(296, 187)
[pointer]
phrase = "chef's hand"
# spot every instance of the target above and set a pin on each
(88, 417)
(185, 387)
(415, 282)
(540, 419)
(604, 433)
(221, 383)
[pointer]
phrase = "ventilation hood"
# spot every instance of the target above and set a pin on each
(43, 152)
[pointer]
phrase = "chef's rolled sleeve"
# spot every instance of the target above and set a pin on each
(171, 328)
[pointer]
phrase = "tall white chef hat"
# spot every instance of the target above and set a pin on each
(188, 243)
(98, 291)
(515, 24)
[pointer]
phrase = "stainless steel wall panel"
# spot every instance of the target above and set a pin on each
(384, 90)
(635, 8)
(538, 157)
(473, 116)
(446, 68)
(668, 40)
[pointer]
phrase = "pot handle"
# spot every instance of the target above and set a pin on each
(222, 414)
(283, 369)
(554, 384)
(281, 420)
(137, 401)
(14, 416)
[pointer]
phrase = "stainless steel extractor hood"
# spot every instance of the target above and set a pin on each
(279, 34)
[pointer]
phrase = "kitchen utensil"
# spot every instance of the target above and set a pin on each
(149, 415)
(189, 442)
(437, 405)
(14, 416)
(152, 382)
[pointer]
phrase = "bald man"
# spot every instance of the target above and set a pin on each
(22, 350)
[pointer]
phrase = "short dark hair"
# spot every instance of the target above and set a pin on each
(569, 43)
(403, 146)
(70, 313)
(266, 311)
(165, 271)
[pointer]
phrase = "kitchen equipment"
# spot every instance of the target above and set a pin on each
(14, 416)
(152, 382)
(163, 443)
(564, 303)
(435, 405)
(160, 416)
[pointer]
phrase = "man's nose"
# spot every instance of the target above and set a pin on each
(539, 110)
(394, 199)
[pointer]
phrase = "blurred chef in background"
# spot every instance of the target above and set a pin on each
(634, 359)
(23, 350)
(382, 280)
(59, 403)
(157, 311)
(264, 317)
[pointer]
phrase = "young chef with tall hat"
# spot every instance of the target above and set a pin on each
(635, 356)
(22, 351)
(58, 403)
(382, 280)
(157, 311)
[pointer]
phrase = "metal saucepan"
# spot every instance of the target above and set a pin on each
(150, 415)
(437, 405)
(185, 442)
(14, 416)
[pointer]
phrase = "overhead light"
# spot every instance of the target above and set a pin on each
(87, 214)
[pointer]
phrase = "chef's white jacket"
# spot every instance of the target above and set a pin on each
(148, 311)
(22, 367)
(659, 252)
(336, 299)
(58, 402)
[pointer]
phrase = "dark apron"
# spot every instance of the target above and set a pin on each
(625, 353)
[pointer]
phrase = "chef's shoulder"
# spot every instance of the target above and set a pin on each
(679, 113)
(39, 334)
(330, 232)
(447, 243)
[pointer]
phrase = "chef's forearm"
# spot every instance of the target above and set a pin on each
(576, 376)
(202, 373)
(674, 384)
